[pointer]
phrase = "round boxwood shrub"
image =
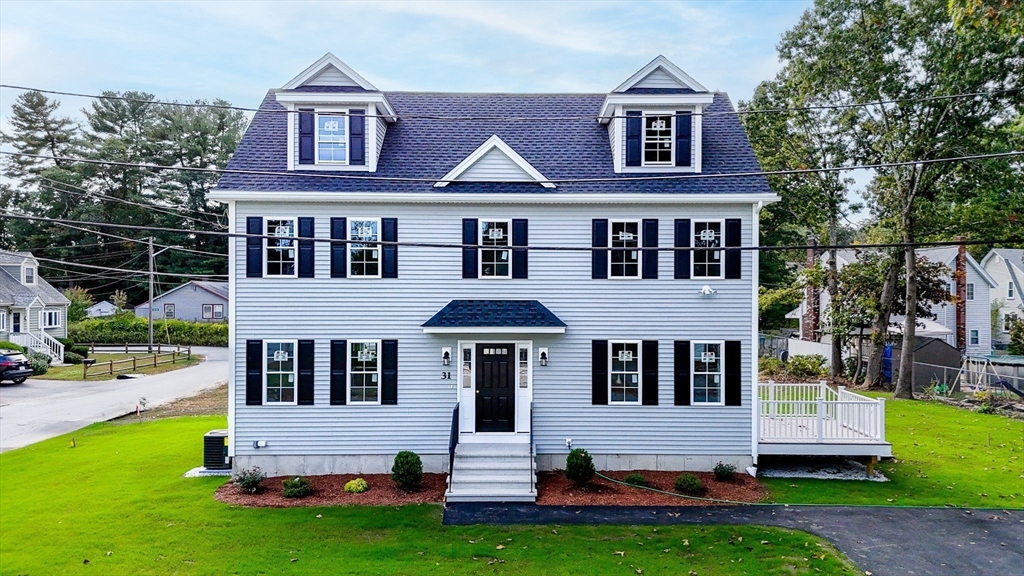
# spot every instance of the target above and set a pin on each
(724, 472)
(72, 358)
(689, 484)
(407, 471)
(250, 480)
(579, 467)
(297, 487)
(635, 479)
(357, 486)
(40, 363)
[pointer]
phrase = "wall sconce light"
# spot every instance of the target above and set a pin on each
(446, 356)
(543, 356)
(259, 444)
(707, 291)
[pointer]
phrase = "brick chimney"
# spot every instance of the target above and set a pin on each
(812, 311)
(960, 277)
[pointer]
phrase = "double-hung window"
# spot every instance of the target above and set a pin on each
(364, 258)
(50, 318)
(280, 373)
(30, 275)
(975, 337)
(3, 321)
(624, 375)
(207, 311)
(213, 311)
(625, 253)
(281, 251)
(707, 263)
(970, 290)
(332, 138)
(169, 311)
(658, 139)
(707, 373)
(495, 254)
(364, 370)
(1010, 292)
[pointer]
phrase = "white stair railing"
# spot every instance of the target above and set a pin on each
(55, 347)
(46, 345)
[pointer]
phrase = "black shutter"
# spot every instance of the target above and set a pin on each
(682, 372)
(682, 257)
(306, 155)
(520, 257)
(389, 262)
(599, 372)
(306, 352)
(649, 358)
(254, 247)
(733, 228)
(634, 127)
(357, 137)
(253, 372)
(684, 131)
(469, 255)
(339, 369)
(389, 372)
(599, 258)
(733, 373)
(339, 250)
(307, 250)
(650, 240)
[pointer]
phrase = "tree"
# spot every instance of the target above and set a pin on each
(1016, 346)
(81, 300)
(1004, 17)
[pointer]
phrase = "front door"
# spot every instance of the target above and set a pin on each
(16, 322)
(495, 388)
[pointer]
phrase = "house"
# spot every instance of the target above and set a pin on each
(193, 301)
(1006, 267)
(33, 314)
(488, 279)
(100, 309)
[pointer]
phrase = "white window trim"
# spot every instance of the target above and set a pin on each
(693, 372)
(481, 248)
(380, 248)
(643, 139)
(3, 321)
(969, 291)
(972, 335)
(639, 372)
(215, 312)
(295, 372)
(205, 317)
(24, 275)
(174, 311)
(44, 317)
(1011, 292)
(639, 244)
(348, 373)
(693, 242)
(266, 245)
(316, 136)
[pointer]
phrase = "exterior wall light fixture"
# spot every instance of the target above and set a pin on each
(446, 356)
(707, 291)
(543, 356)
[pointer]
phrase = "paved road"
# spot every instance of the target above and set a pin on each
(883, 541)
(41, 409)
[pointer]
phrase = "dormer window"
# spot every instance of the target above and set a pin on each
(658, 140)
(30, 275)
(332, 138)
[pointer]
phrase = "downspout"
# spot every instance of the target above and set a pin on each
(755, 427)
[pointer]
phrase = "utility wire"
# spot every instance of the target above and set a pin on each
(140, 272)
(626, 179)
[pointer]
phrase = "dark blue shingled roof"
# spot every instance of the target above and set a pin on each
(494, 314)
(560, 149)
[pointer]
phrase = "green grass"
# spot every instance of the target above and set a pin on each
(74, 371)
(942, 456)
(117, 499)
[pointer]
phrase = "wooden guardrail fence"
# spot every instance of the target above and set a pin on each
(111, 367)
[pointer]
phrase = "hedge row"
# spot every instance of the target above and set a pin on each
(130, 329)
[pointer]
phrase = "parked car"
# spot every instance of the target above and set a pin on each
(14, 366)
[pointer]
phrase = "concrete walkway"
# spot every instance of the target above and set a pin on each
(883, 541)
(41, 409)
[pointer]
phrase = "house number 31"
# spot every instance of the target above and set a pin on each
(446, 375)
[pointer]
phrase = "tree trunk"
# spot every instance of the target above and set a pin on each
(905, 383)
(833, 292)
(860, 355)
(880, 324)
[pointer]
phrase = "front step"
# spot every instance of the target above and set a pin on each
(492, 473)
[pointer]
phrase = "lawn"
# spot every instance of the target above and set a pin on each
(116, 503)
(74, 371)
(942, 456)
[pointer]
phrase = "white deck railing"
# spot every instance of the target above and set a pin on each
(817, 413)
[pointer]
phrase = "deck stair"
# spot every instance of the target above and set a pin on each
(492, 473)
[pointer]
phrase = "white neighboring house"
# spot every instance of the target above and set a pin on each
(1006, 266)
(101, 309)
(33, 314)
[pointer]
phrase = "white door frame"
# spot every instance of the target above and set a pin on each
(467, 393)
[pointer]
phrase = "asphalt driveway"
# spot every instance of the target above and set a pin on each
(41, 409)
(880, 540)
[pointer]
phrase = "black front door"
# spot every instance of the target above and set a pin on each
(495, 388)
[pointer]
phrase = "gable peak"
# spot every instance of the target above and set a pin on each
(661, 73)
(329, 71)
(494, 161)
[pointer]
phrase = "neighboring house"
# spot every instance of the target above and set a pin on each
(1006, 266)
(32, 313)
(100, 309)
(194, 301)
(464, 324)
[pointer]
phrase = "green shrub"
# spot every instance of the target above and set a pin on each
(131, 329)
(297, 487)
(579, 467)
(40, 363)
(635, 479)
(82, 351)
(689, 484)
(809, 366)
(72, 358)
(250, 480)
(724, 472)
(357, 486)
(985, 408)
(407, 471)
(770, 366)
(5, 345)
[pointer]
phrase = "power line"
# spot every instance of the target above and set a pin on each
(522, 118)
(333, 176)
(140, 272)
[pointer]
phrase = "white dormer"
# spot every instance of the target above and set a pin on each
(494, 161)
(654, 120)
(339, 130)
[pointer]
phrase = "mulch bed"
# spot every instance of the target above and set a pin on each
(329, 491)
(553, 489)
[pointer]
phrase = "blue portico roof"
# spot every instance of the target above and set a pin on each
(495, 314)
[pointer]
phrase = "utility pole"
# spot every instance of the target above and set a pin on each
(150, 304)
